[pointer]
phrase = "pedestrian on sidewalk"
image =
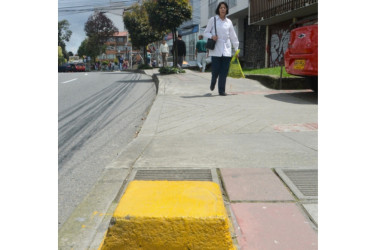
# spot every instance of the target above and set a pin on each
(221, 55)
(120, 62)
(181, 48)
(126, 64)
(164, 51)
(200, 53)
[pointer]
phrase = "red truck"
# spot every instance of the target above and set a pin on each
(301, 57)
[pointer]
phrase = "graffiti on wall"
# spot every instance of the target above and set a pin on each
(278, 46)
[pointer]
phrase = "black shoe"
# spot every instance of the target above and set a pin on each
(223, 94)
(211, 87)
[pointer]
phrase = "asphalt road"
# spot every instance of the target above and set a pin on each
(98, 115)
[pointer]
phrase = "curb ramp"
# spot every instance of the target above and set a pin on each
(169, 215)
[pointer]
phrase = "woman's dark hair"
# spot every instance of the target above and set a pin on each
(219, 5)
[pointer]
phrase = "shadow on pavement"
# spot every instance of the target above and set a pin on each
(196, 96)
(299, 98)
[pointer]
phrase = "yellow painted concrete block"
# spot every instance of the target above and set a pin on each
(170, 215)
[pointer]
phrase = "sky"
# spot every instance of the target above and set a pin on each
(77, 13)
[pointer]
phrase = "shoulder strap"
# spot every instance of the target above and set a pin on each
(215, 28)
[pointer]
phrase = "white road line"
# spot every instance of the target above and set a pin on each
(71, 80)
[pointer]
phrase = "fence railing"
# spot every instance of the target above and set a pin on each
(264, 9)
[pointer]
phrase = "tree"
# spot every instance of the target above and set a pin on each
(82, 50)
(64, 34)
(168, 15)
(137, 24)
(61, 58)
(98, 29)
(89, 47)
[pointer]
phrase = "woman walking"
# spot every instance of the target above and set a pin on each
(221, 55)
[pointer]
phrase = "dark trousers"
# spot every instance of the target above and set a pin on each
(180, 60)
(220, 69)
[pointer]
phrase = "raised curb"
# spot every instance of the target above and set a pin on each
(274, 82)
(87, 219)
(170, 215)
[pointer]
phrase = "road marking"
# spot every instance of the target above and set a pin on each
(71, 80)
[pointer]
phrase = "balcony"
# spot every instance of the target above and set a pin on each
(273, 11)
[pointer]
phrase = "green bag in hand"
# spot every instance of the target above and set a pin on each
(235, 70)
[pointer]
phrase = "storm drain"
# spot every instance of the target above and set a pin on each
(174, 174)
(303, 182)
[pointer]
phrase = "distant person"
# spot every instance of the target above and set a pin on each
(221, 55)
(200, 53)
(148, 58)
(181, 48)
(120, 62)
(139, 59)
(125, 64)
(164, 51)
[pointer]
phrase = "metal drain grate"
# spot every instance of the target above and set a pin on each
(174, 174)
(306, 180)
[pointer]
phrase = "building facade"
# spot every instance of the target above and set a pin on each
(269, 26)
(190, 30)
(116, 46)
(263, 27)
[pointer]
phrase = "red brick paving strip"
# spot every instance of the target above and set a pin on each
(254, 184)
(273, 226)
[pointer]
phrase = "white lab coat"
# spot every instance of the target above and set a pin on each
(226, 35)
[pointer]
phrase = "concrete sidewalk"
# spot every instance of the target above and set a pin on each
(260, 145)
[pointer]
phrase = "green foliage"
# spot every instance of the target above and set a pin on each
(144, 66)
(82, 50)
(168, 15)
(137, 23)
(267, 71)
(61, 58)
(104, 63)
(171, 70)
(90, 47)
(99, 26)
(64, 34)
(98, 29)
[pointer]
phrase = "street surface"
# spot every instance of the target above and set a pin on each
(99, 113)
(253, 133)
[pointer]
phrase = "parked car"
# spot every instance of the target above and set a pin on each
(301, 57)
(80, 67)
(67, 67)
